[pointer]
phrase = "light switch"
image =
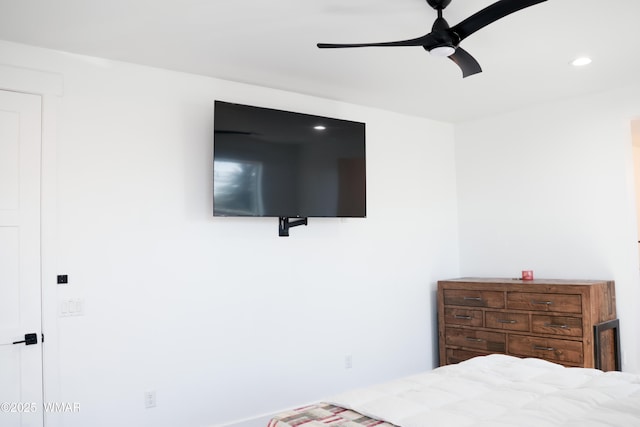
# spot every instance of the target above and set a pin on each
(72, 307)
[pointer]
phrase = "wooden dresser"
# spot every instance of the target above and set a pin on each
(546, 319)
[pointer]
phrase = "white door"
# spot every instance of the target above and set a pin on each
(20, 289)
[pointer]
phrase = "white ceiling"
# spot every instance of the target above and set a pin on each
(271, 43)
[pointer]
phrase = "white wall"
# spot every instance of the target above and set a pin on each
(635, 140)
(222, 318)
(552, 189)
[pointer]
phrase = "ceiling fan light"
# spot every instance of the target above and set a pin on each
(442, 51)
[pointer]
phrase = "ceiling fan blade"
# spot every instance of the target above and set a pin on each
(426, 40)
(466, 62)
(490, 14)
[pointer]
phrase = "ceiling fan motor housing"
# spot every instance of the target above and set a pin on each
(446, 41)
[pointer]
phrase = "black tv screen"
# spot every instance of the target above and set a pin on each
(273, 163)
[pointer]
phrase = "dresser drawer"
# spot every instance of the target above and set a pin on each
(457, 356)
(547, 348)
(557, 325)
(507, 321)
(474, 298)
(479, 340)
(462, 316)
(544, 302)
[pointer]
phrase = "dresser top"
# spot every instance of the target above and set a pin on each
(517, 281)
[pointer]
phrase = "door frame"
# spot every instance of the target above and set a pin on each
(49, 86)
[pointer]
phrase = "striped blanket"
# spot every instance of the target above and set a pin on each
(324, 415)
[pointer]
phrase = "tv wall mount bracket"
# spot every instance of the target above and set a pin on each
(285, 223)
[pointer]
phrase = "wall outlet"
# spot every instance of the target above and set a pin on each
(348, 362)
(150, 399)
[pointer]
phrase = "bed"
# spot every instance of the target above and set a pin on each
(488, 391)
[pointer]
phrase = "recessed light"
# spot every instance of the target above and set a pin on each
(581, 62)
(319, 127)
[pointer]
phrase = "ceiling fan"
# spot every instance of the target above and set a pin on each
(444, 40)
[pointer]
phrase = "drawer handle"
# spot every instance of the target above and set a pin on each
(508, 321)
(458, 316)
(534, 302)
(539, 347)
(475, 339)
(472, 298)
(553, 325)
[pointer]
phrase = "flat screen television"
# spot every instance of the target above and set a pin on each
(273, 163)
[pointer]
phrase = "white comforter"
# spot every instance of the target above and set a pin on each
(499, 391)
